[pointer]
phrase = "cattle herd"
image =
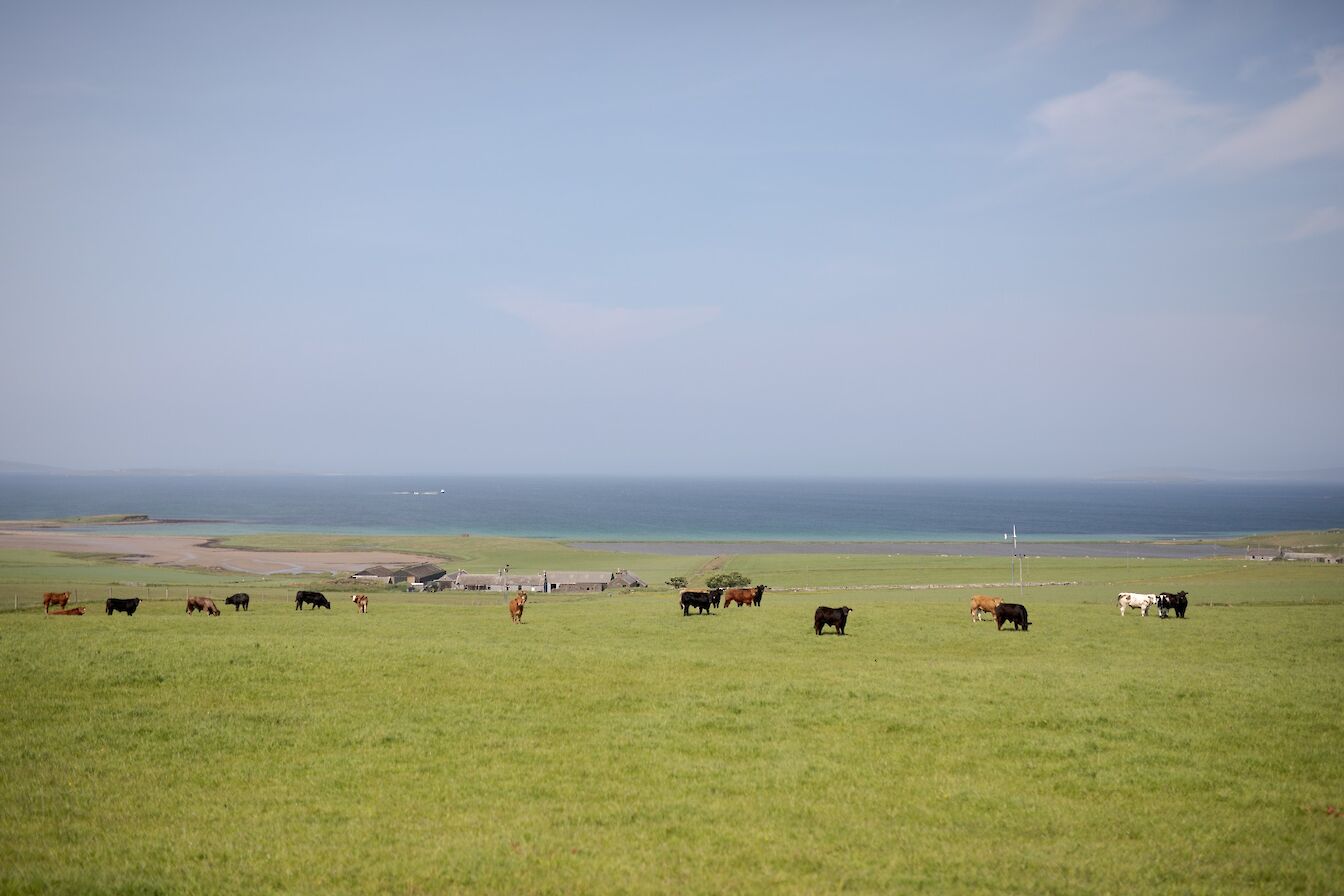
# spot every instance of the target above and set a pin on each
(1166, 602)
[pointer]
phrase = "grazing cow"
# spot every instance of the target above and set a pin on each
(127, 605)
(836, 616)
(316, 598)
(1141, 602)
(238, 601)
(1168, 601)
(203, 604)
(361, 601)
(701, 600)
(54, 599)
(516, 606)
(743, 597)
(1014, 613)
(982, 604)
(73, 611)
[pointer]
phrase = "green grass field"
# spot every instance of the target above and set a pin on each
(609, 744)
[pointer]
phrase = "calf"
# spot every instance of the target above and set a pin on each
(701, 600)
(54, 599)
(237, 601)
(202, 604)
(316, 598)
(836, 616)
(982, 604)
(73, 611)
(1014, 613)
(127, 605)
(516, 606)
(361, 601)
(1168, 601)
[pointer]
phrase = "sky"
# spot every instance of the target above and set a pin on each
(1054, 238)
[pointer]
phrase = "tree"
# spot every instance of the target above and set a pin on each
(677, 582)
(727, 580)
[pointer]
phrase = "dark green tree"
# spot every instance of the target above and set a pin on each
(677, 582)
(727, 580)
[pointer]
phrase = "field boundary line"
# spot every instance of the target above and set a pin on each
(929, 587)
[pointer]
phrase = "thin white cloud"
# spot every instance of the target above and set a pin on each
(1135, 123)
(1129, 121)
(1054, 20)
(1309, 126)
(1319, 223)
(587, 323)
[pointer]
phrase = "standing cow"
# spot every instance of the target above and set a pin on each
(516, 606)
(1168, 601)
(127, 605)
(834, 616)
(203, 605)
(54, 599)
(361, 601)
(982, 604)
(1128, 600)
(316, 598)
(238, 601)
(1014, 613)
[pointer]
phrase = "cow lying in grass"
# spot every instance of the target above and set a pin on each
(73, 611)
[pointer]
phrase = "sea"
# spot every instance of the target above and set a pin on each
(633, 509)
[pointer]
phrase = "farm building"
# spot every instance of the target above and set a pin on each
(545, 582)
(418, 574)
(1264, 553)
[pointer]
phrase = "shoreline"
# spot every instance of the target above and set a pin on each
(1180, 550)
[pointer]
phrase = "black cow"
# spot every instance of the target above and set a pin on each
(836, 616)
(715, 597)
(1168, 601)
(237, 601)
(316, 598)
(127, 605)
(1014, 613)
(701, 600)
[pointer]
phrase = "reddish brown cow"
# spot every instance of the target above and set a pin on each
(54, 599)
(745, 597)
(203, 604)
(516, 606)
(73, 611)
(982, 604)
(361, 601)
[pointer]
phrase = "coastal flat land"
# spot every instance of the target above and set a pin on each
(610, 743)
(196, 552)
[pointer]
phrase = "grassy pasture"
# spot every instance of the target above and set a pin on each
(609, 744)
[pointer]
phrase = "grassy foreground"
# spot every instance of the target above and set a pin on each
(609, 744)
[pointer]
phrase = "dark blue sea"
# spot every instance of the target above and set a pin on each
(641, 509)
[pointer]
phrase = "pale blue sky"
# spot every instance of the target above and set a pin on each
(1055, 238)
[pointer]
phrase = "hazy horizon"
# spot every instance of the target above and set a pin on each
(1062, 238)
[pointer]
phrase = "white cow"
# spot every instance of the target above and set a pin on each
(1140, 602)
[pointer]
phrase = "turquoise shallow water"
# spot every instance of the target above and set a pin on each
(640, 509)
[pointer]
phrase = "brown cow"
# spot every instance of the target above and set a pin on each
(204, 604)
(982, 604)
(73, 611)
(516, 606)
(745, 597)
(54, 599)
(361, 601)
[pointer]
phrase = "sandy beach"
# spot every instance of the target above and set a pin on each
(195, 551)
